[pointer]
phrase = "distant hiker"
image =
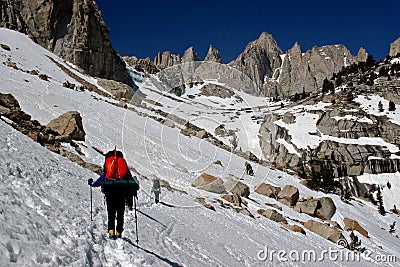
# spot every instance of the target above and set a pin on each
(119, 187)
(156, 189)
(249, 169)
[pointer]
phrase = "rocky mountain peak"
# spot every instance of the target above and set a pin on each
(267, 42)
(362, 55)
(190, 55)
(72, 29)
(395, 48)
(259, 59)
(213, 55)
(166, 59)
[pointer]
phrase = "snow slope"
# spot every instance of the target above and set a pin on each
(44, 212)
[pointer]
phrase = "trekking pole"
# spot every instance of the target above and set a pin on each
(91, 205)
(137, 236)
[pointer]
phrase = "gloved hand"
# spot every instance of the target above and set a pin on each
(90, 181)
(134, 193)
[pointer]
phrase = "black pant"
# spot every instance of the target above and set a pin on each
(115, 207)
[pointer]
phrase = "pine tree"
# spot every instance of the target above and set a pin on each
(380, 106)
(355, 243)
(327, 86)
(381, 208)
(392, 106)
(392, 229)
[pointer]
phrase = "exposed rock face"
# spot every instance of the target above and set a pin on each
(216, 90)
(259, 59)
(288, 195)
(69, 123)
(213, 55)
(166, 59)
(283, 75)
(395, 48)
(190, 55)
(143, 65)
(342, 120)
(332, 234)
(305, 72)
(350, 224)
(72, 29)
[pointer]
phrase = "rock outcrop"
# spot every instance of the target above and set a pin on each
(72, 29)
(339, 129)
(395, 48)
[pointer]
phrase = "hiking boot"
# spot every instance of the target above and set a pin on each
(118, 235)
(111, 234)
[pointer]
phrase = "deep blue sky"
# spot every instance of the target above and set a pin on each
(143, 28)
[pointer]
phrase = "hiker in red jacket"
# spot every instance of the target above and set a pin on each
(119, 187)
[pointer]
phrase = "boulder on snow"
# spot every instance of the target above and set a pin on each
(308, 206)
(236, 186)
(288, 195)
(210, 183)
(69, 123)
(9, 101)
(245, 212)
(295, 228)
(353, 225)
(327, 209)
(235, 199)
(267, 190)
(331, 233)
(273, 215)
